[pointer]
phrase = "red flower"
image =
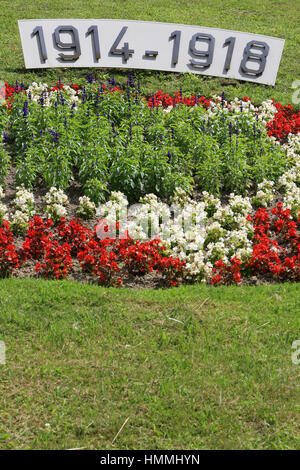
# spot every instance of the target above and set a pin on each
(9, 259)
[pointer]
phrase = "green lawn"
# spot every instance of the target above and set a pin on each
(83, 359)
(279, 18)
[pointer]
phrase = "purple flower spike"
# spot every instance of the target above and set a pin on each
(25, 109)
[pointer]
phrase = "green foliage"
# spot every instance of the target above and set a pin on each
(4, 163)
(96, 190)
(115, 141)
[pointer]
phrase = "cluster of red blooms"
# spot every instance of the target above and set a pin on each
(285, 122)
(110, 89)
(40, 245)
(9, 259)
(109, 256)
(57, 260)
(97, 258)
(276, 249)
(59, 86)
(8, 92)
(73, 233)
(227, 274)
(142, 258)
(165, 100)
(38, 235)
(54, 248)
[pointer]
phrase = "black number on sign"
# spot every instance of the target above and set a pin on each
(207, 55)
(176, 36)
(230, 42)
(74, 45)
(93, 30)
(125, 51)
(258, 57)
(38, 31)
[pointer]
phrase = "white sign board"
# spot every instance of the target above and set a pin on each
(149, 45)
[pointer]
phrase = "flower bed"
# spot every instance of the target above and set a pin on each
(114, 140)
(273, 252)
(53, 251)
(217, 182)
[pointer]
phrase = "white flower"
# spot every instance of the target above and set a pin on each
(24, 200)
(3, 211)
(265, 193)
(86, 207)
(55, 211)
(56, 196)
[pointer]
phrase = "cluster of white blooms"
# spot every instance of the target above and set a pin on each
(212, 203)
(289, 184)
(169, 109)
(266, 111)
(36, 89)
(263, 113)
(24, 200)
(147, 219)
(3, 208)
(180, 197)
(291, 199)
(56, 201)
(292, 147)
(86, 207)
(239, 204)
(56, 196)
(290, 176)
(265, 194)
(40, 91)
(19, 221)
(185, 227)
(24, 205)
(229, 233)
(236, 106)
(117, 204)
(3, 211)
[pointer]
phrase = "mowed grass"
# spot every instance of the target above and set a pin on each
(279, 18)
(192, 368)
